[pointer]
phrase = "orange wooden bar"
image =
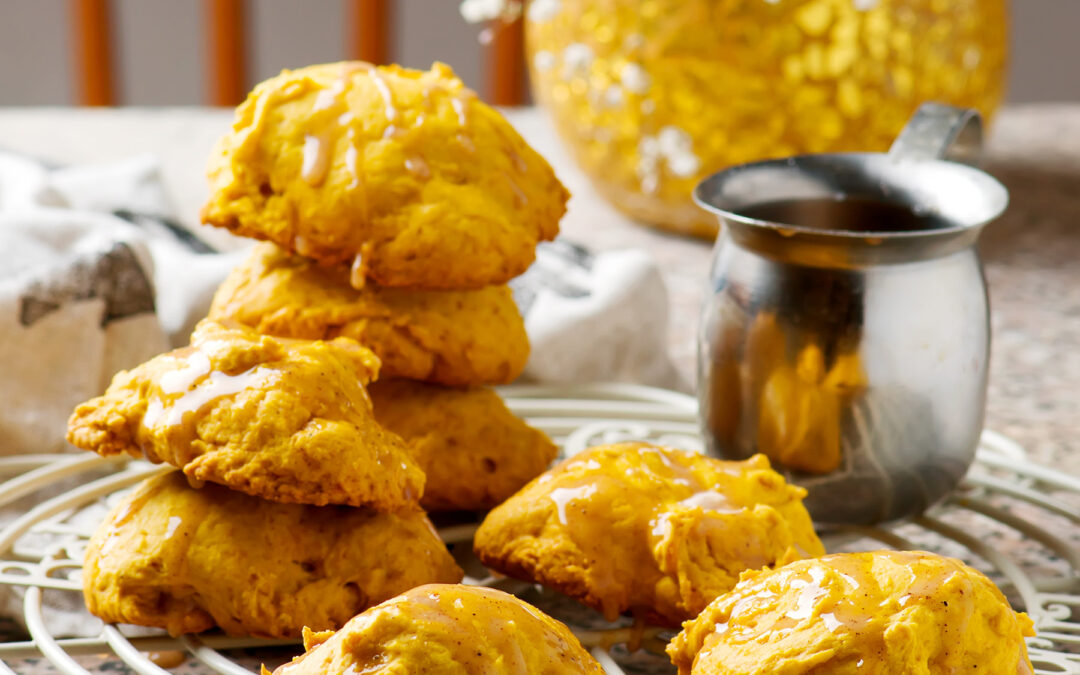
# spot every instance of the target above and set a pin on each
(506, 63)
(369, 24)
(226, 51)
(92, 40)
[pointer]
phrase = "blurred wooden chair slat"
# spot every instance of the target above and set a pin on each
(93, 56)
(370, 23)
(506, 63)
(369, 26)
(226, 35)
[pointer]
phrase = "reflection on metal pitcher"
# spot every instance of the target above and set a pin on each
(846, 334)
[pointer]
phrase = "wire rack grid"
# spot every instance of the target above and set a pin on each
(1017, 521)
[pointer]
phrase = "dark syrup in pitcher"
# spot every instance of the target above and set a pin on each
(853, 214)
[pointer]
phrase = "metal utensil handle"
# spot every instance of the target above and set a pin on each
(939, 131)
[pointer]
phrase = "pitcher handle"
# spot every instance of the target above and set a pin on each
(939, 131)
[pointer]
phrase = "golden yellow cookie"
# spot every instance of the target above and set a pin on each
(647, 529)
(450, 337)
(187, 560)
(447, 630)
(473, 450)
(402, 173)
(878, 613)
(286, 420)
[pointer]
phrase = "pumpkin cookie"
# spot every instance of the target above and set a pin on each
(449, 337)
(473, 450)
(403, 174)
(447, 630)
(288, 421)
(878, 613)
(647, 529)
(187, 560)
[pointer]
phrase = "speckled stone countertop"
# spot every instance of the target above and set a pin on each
(1033, 265)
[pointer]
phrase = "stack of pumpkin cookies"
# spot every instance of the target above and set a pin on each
(291, 507)
(395, 206)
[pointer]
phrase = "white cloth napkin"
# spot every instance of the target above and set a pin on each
(595, 317)
(95, 277)
(92, 281)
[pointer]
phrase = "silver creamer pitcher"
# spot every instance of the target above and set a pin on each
(846, 334)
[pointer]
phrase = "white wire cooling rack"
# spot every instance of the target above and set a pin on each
(1017, 521)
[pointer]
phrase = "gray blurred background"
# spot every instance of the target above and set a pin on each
(161, 46)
